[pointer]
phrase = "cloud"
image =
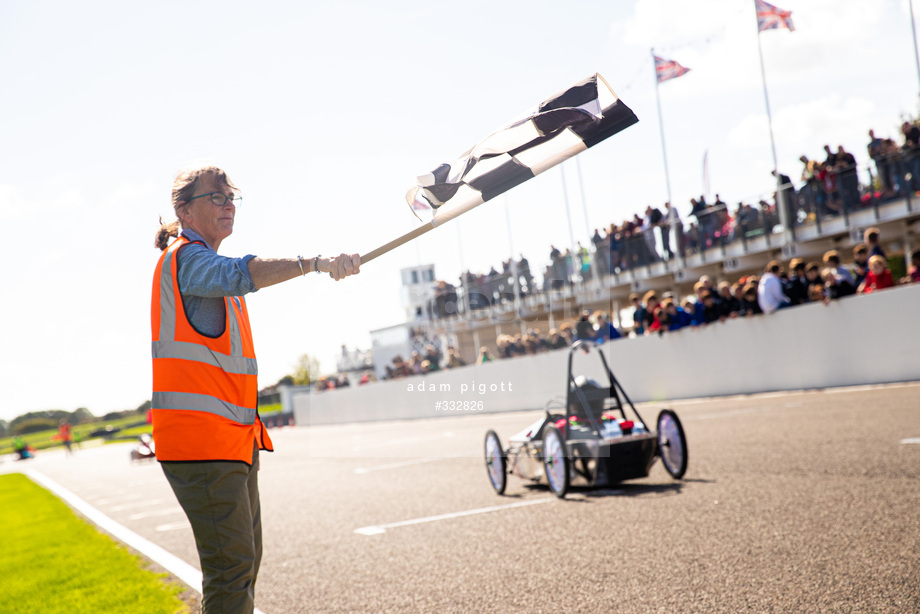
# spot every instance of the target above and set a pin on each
(804, 128)
(12, 205)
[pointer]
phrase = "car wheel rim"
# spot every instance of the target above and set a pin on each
(672, 452)
(494, 462)
(555, 464)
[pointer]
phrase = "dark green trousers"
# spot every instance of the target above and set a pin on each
(221, 501)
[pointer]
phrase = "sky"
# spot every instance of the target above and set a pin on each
(324, 113)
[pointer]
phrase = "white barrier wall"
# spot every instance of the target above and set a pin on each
(866, 339)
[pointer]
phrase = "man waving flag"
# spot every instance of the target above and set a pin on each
(770, 17)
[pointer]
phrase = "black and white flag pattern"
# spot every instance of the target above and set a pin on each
(560, 127)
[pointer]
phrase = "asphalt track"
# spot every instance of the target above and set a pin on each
(793, 502)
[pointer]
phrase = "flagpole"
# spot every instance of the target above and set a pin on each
(514, 270)
(417, 232)
(568, 215)
(584, 206)
(706, 173)
(664, 151)
(780, 201)
(584, 200)
(913, 29)
(462, 268)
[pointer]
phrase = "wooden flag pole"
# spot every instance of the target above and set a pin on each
(396, 242)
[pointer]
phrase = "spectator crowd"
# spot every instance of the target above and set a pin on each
(777, 287)
(828, 188)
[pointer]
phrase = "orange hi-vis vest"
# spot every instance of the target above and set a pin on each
(205, 391)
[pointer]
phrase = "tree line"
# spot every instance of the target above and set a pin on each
(35, 421)
(306, 369)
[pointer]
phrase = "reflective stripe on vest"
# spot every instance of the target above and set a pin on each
(199, 353)
(203, 402)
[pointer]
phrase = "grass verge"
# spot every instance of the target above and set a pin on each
(54, 562)
(43, 440)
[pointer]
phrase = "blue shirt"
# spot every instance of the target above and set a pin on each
(610, 334)
(205, 278)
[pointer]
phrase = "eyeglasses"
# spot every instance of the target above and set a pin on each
(220, 199)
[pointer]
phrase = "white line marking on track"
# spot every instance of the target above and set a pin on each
(731, 412)
(386, 444)
(911, 440)
(382, 528)
(122, 498)
(781, 393)
(173, 526)
(366, 470)
(161, 512)
(167, 560)
(127, 506)
(158, 480)
(407, 463)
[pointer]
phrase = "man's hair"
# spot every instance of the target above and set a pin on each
(650, 295)
(860, 248)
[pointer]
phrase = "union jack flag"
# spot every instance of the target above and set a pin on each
(668, 69)
(770, 17)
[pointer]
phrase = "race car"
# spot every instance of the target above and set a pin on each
(590, 441)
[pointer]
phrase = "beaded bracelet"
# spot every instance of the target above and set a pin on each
(315, 264)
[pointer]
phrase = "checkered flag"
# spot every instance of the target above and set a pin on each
(560, 127)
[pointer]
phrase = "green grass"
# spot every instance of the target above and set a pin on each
(134, 432)
(54, 562)
(270, 408)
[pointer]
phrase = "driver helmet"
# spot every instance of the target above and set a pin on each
(586, 384)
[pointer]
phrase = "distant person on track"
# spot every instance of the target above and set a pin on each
(24, 450)
(65, 434)
(205, 423)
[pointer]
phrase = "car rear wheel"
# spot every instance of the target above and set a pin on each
(672, 444)
(495, 462)
(555, 461)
